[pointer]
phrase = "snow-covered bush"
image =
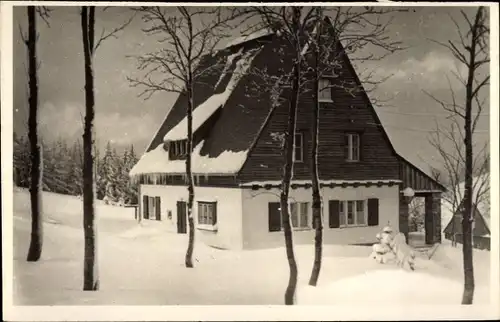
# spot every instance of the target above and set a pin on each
(382, 250)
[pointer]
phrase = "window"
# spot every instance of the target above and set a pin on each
(352, 146)
(299, 147)
(325, 90)
(177, 149)
(299, 216)
(352, 213)
(151, 207)
(207, 213)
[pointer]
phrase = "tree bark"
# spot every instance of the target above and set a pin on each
(316, 196)
(190, 204)
(36, 242)
(189, 174)
(90, 267)
(288, 172)
(468, 217)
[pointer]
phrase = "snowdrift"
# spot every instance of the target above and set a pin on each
(389, 287)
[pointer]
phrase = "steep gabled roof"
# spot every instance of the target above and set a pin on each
(235, 67)
(481, 224)
(225, 149)
(481, 209)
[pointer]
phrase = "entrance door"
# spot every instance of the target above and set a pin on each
(181, 217)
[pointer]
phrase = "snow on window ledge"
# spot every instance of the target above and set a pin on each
(352, 226)
(302, 229)
(294, 229)
(212, 228)
(325, 100)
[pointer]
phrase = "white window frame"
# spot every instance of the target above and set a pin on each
(151, 208)
(343, 208)
(300, 207)
(325, 90)
(301, 147)
(205, 215)
(351, 156)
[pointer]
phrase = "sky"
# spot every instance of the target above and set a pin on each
(123, 118)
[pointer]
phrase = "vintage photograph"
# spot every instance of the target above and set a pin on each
(251, 155)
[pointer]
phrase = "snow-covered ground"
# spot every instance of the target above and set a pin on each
(144, 265)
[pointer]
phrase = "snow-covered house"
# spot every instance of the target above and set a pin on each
(481, 232)
(237, 161)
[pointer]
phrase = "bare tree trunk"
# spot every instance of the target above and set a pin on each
(316, 197)
(35, 248)
(477, 33)
(189, 174)
(189, 252)
(90, 267)
(453, 236)
(287, 176)
(467, 214)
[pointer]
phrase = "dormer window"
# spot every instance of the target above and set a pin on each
(325, 90)
(177, 149)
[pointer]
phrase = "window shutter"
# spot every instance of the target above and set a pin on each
(334, 220)
(215, 213)
(145, 207)
(274, 216)
(158, 208)
(373, 212)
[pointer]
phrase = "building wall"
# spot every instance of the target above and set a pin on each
(349, 111)
(229, 210)
(479, 242)
(255, 216)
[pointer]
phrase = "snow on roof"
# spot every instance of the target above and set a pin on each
(483, 205)
(306, 46)
(447, 208)
(299, 182)
(157, 161)
(446, 213)
(207, 108)
(228, 64)
(244, 38)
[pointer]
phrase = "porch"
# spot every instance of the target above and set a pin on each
(417, 184)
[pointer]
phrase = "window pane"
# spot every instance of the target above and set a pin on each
(304, 215)
(349, 146)
(360, 205)
(294, 215)
(324, 90)
(210, 214)
(360, 217)
(350, 212)
(342, 214)
(355, 145)
(360, 212)
(298, 147)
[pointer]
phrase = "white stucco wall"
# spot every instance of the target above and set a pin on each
(229, 212)
(255, 216)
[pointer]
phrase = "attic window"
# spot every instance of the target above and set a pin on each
(325, 90)
(177, 149)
